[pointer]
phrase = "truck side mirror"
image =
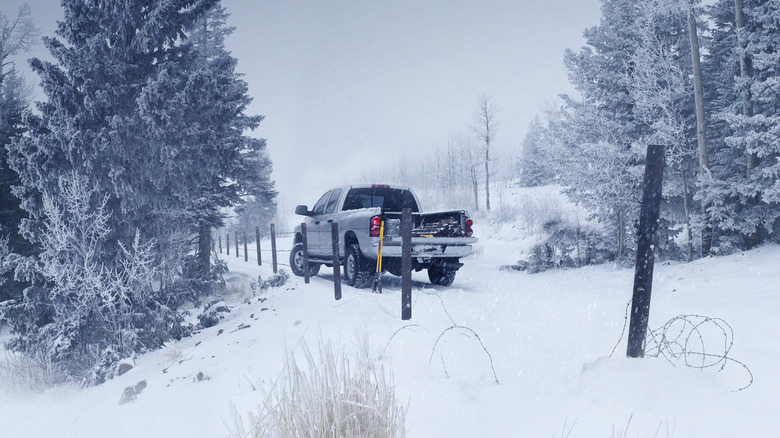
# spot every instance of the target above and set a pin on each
(302, 210)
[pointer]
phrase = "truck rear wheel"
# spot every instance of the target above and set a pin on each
(355, 273)
(296, 262)
(441, 276)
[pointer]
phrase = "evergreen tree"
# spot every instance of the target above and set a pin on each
(240, 167)
(535, 166)
(155, 128)
(13, 105)
(748, 110)
(600, 128)
(17, 35)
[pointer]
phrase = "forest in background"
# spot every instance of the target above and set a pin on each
(702, 80)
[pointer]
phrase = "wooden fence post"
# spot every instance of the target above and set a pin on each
(334, 231)
(257, 240)
(645, 251)
(406, 264)
(305, 253)
(273, 247)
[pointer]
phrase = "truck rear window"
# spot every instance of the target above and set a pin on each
(386, 198)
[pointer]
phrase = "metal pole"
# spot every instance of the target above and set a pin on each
(334, 232)
(645, 251)
(406, 264)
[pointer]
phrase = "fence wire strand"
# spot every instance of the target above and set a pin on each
(687, 339)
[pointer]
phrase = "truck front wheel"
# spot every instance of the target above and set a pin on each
(441, 276)
(355, 273)
(296, 262)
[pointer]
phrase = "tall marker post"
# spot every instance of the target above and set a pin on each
(645, 251)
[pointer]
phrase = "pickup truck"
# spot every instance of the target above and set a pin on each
(439, 240)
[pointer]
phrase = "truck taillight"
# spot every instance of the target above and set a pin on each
(375, 225)
(469, 223)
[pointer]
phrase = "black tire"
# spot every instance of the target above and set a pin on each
(355, 272)
(296, 262)
(441, 276)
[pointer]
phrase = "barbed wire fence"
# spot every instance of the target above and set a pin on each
(695, 341)
(239, 244)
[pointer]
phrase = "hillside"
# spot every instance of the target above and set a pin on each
(549, 337)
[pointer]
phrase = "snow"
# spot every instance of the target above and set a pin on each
(549, 337)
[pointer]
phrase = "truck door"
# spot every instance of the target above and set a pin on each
(324, 228)
(313, 225)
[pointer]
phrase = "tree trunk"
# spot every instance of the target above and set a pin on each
(475, 186)
(487, 174)
(620, 235)
(687, 209)
(701, 132)
(744, 73)
(204, 248)
(754, 239)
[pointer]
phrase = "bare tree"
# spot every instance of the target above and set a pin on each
(485, 127)
(468, 172)
(16, 36)
(658, 82)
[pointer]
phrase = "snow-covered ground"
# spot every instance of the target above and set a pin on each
(549, 337)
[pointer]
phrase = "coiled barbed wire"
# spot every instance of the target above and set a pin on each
(687, 340)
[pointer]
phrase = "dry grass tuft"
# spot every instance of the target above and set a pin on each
(331, 396)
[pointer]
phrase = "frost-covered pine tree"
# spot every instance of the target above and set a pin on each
(534, 163)
(18, 35)
(727, 96)
(14, 101)
(597, 131)
(745, 49)
(239, 168)
(156, 130)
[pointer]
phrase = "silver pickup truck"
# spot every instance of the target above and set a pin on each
(439, 240)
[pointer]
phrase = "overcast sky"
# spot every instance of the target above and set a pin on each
(347, 84)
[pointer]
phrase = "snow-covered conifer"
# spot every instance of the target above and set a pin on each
(157, 128)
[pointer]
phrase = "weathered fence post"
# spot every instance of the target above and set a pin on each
(273, 247)
(257, 240)
(246, 253)
(305, 242)
(643, 273)
(237, 254)
(334, 232)
(406, 264)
